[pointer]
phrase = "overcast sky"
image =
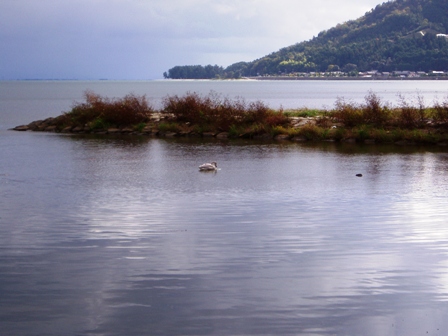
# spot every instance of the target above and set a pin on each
(140, 39)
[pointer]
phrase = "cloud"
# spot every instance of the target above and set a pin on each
(139, 39)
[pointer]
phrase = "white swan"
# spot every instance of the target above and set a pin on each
(208, 166)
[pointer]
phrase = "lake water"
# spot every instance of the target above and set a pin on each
(124, 236)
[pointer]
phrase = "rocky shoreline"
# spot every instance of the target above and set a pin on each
(152, 129)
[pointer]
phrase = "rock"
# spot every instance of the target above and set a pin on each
(127, 130)
(41, 127)
(222, 135)
(299, 122)
(113, 130)
(170, 134)
(50, 129)
(49, 121)
(78, 129)
(147, 130)
(66, 129)
(208, 134)
(359, 175)
(21, 128)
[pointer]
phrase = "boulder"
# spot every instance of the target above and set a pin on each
(21, 128)
(50, 129)
(67, 129)
(127, 130)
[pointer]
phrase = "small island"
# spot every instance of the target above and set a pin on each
(213, 115)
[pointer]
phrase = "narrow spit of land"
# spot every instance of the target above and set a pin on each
(212, 115)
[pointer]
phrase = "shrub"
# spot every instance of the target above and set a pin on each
(347, 113)
(169, 127)
(256, 112)
(311, 132)
(98, 123)
(373, 111)
(214, 112)
(100, 111)
(338, 133)
(139, 127)
(440, 113)
(234, 131)
(276, 118)
(362, 133)
(410, 116)
(324, 121)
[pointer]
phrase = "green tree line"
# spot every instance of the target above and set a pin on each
(396, 35)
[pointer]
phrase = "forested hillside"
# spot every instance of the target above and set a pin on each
(396, 35)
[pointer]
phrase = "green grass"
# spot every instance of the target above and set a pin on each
(304, 112)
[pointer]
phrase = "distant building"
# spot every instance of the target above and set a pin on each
(402, 73)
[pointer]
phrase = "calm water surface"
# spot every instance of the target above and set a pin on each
(123, 236)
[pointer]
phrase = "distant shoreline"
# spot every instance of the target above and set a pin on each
(261, 78)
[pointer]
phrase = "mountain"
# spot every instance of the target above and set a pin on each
(396, 35)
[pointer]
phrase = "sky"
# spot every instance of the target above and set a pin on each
(140, 39)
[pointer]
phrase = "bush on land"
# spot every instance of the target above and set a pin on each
(440, 113)
(104, 112)
(411, 116)
(195, 113)
(215, 112)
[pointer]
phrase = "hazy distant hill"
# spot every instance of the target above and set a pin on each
(396, 35)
